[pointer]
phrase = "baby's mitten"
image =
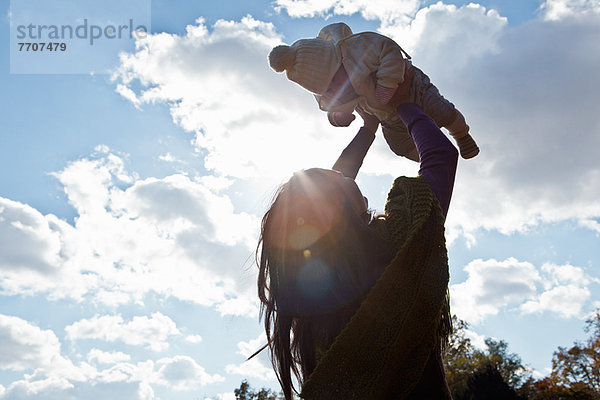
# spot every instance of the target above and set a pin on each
(340, 118)
(384, 94)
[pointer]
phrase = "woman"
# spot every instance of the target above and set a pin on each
(354, 307)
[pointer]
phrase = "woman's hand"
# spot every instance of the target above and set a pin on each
(370, 121)
(340, 118)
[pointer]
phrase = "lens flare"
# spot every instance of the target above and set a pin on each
(303, 236)
(315, 279)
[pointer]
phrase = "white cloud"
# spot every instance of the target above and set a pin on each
(566, 301)
(385, 11)
(194, 339)
(145, 391)
(128, 94)
(248, 348)
(559, 9)
(590, 224)
(215, 183)
(152, 332)
(87, 182)
(566, 291)
(176, 236)
(178, 204)
(238, 306)
(22, 228)
(183, 373)
(493, 286)
(102, 149)
(49, 388)
(304, 8)
(126, 372)
(257, 367)
(566, 274)
(226, 396)
(477, 340)
(249, 121)
(104, 357)
(223, 396)
(445, 38)
(168, 157)
(537, 139)
(26, 346)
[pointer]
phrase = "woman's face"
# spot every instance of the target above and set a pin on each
(340, 88)
(349, 188)
(331, 183)
(358, 201)
(302, 216)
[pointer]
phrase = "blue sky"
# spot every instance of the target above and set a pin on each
(131, 193)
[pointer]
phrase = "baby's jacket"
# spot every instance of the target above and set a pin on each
(369, 59)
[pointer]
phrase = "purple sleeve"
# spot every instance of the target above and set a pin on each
(438, 156)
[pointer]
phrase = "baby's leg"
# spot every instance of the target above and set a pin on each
(443, 112)
(459, 130)
(397, 137)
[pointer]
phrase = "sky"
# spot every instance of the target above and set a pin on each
(135, 172)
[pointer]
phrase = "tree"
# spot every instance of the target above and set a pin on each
(580, 365)
(575, 371)
(549, 389)
(458, 358)
(245, 392)
(509, 365)
(487, 383)
(466, 365)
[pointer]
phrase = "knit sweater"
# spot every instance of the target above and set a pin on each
(384, 348)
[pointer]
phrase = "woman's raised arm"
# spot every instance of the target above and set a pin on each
(438, 156)
(351, 159)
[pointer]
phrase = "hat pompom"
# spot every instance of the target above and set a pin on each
(282, 58)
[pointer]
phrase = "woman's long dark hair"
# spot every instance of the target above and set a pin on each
(317, 258)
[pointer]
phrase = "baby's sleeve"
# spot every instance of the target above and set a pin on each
(392, 64)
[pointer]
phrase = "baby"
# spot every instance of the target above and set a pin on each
(363, 71)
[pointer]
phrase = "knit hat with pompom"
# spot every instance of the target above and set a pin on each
(311, 63)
